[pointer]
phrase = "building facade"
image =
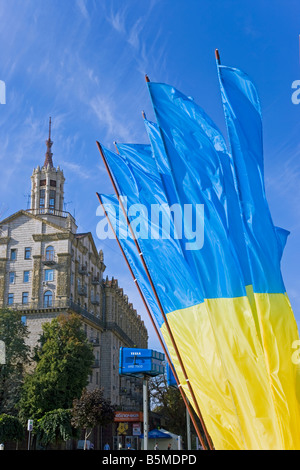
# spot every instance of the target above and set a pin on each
(47, 268)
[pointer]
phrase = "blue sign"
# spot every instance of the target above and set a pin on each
(171, 381)
(140, 362)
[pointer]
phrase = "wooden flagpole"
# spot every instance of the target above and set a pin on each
(157, 299)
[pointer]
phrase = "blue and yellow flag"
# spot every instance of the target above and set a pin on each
(214, 262)
(198, 325)
(193, 147)
(276, 323)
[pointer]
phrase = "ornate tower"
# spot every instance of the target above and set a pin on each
(47, 185)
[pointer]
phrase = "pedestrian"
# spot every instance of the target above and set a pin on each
(169, 446)
(106, 447)
(156, 446)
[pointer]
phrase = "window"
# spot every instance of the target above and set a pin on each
(52, 199)
(26, 276)
(27, 253)
(10, 299)
(48, 299)
(49, 253)
(12, 277)
(13, 254)
(42, 198)
(24, 298)
(49, 275)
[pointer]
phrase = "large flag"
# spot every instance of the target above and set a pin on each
(117, 220)
(277, 326)
(195, 165)
(148, 212)
(215, 334)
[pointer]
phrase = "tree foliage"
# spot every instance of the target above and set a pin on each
(14, 334)
(63, 363)
(55, 427)
(168, 402)
(11, 428)
(90, 410)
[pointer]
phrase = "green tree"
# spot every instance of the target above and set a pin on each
(55, 427)
(14, 334)
(168, 402)
(91, 410)
(11, 428)
(63, 363)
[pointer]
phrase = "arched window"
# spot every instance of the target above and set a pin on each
(48, 299)
(49, 253)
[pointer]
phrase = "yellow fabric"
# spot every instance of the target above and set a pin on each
(279, 332)
(240, 369)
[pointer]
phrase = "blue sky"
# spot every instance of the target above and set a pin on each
(83, 62)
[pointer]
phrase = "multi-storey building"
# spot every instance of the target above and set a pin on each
(47, 268)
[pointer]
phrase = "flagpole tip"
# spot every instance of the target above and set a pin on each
(143, 114)
(116, 147)
(217, 54)
(147, 78)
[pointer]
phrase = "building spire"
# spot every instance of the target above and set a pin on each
(48, 154)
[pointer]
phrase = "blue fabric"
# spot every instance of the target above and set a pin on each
(137, 178)
(118, 221)
(243, 117)
(231, 206)
(193, 147)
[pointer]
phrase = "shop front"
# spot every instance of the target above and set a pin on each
(127, 429)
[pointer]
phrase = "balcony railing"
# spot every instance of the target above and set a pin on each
(95, 300)
(82, 291)
(49, 259)
(57, 305)
(95, 280)
(49, 211)
(83, 269)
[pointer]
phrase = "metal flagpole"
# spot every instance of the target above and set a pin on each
(156, 330)
(157, 299)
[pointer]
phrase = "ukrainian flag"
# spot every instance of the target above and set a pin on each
(199, 335)
(277, 327)
(225, 328)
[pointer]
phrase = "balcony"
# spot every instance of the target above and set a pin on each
(49, 211)
(95, 280)
(49, 259)
(82, 291)
(83, 270)
(95, 300)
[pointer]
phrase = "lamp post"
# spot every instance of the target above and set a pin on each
(145, 411)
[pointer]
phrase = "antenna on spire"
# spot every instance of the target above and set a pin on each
(48, 155)
(50, 128)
